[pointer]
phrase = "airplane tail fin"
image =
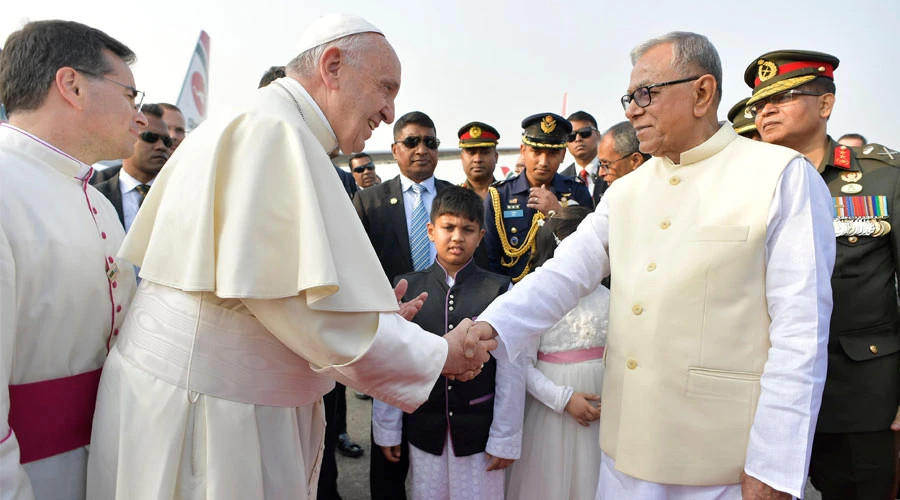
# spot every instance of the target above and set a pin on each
(194, 96)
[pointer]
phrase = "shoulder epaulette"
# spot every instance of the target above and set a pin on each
(878, 152)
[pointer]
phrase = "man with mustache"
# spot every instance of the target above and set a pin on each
(395, 217)
(582, 145)
(478, 152)
(854, 454)
(129, 186)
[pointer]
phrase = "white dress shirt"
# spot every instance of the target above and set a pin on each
(131, 198)
(800, 250)
(592, 168)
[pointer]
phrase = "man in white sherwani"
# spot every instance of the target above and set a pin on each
(259, 289)
(70, 97)
(721, 251)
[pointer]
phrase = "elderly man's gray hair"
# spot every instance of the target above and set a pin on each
(625, 141)
(304, 65)
(689, 51)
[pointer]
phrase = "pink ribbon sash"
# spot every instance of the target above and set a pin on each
(575, 356)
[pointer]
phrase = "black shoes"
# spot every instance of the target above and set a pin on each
(347, 447)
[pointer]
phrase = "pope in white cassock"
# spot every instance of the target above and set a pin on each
(63, 292)
(259, 288)
(720, 251)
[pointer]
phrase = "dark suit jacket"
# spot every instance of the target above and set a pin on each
(105, 174)
(110, 189)
(347, 180)
(385, 223)
(599, 184)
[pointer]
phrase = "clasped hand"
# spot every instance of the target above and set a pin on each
(466, 354)
(468, 344)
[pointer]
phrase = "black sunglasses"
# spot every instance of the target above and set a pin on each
(585, 133)
(412, 142)
(362, 168)
(151, 137)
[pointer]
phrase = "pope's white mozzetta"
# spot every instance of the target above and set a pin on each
(259, 288)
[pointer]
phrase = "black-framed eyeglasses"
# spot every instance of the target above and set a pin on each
(152, 137)
(362, 168)
(779, 99)
(412, 142)
(137, 96)
(609, 163)
(585, 133)
(641, 95)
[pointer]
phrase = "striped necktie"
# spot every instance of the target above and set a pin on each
(418, 231)
(142, 189)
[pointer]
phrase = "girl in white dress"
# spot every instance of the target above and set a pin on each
(561, 433)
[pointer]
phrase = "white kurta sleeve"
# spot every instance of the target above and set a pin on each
(14, 483)
(380, 354)
(505, 435)
(555, 397)
(387, 424)
(800, 250)
(579, 264)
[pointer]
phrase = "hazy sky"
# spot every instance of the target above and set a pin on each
(501, 61)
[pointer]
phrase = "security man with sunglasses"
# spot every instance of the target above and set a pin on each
(363, 170)
(129, 186)
(515, 208)
(582, 145)
(854, 454)
(395, 215)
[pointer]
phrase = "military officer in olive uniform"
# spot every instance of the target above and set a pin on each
(854, 453)
(515, 207)
(478, 153)
(741, 121)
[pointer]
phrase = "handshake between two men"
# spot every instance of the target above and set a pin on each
(469, 343)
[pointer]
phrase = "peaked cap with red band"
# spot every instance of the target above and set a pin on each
(782, 70)
(477, 135)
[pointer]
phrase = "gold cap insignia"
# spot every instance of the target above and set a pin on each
(475, 132)
(548, 124)
(767, 69)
